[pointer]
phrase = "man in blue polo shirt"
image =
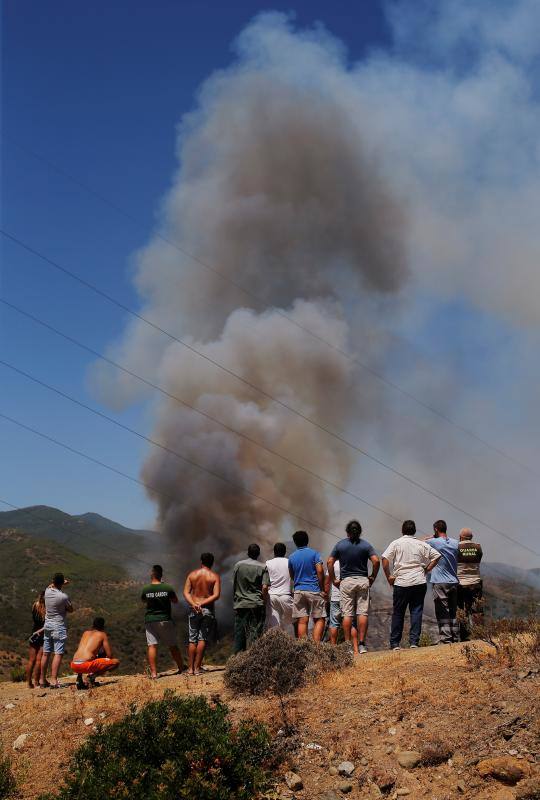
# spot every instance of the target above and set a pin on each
(444, 582)
(307, 572)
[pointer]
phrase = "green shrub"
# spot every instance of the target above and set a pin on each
(7, 781)
(171, 749)
(278, 664)
(17, 674)
(425, 640)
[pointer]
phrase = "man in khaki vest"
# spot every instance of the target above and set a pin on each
(470, 602)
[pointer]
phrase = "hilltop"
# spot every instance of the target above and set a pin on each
(88, 534)
(107, 563)
(460, 708)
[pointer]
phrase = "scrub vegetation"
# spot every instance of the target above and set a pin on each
(171, 749)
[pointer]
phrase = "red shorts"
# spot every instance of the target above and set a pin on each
(96, 666)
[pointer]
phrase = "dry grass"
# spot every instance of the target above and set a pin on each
(385, 702)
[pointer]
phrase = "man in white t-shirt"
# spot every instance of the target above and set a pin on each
(411, 560)
(280, 599)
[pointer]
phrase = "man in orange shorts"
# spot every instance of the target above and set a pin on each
(94, 654)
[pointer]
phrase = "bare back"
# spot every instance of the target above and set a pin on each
(91, 643)
(202, 582)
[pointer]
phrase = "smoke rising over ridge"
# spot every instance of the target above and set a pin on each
(278, 191)
(330, 191)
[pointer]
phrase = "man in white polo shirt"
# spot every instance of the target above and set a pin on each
(411, 560)
(280, 600)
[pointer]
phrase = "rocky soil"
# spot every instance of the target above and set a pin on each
(428, 723)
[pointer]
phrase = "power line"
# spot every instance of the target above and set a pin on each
(96, 353)
(253, 296)
(512, 581)
(69, 448)
(193, 463)
(316, 424)
(184, 403)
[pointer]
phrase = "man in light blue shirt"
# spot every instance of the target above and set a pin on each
(444, 582)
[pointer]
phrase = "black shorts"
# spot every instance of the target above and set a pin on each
(36, 640)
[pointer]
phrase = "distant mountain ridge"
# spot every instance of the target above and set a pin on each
(96, 536)
(529, 577)
(88, 534)
(106, 525)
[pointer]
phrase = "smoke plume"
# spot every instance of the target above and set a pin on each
(360, 200)
(278, 192)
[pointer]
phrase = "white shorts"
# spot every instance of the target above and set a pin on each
(279, 612)
(163, 632)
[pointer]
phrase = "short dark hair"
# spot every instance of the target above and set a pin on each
(254, 551)
(98, 624)
(58, 579)
(300, 538)
(408, 528)
(207, 560)
(279, 549)
(354, 530)
(440, 526)
(157, 571)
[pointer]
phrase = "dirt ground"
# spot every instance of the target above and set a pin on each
(385, 703)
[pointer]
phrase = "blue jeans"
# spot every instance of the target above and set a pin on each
(413, 598)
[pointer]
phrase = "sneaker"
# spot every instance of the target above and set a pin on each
(396, 648)
(362, 648)
(414, 647)
(81, 685)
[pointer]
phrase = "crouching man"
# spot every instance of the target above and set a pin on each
(94, 655)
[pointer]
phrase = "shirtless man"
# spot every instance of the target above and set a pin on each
(201, 590)
(94, 654)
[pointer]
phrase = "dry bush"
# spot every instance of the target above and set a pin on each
(278, 664)
(473, 656)
(513, 639)
(435, 752)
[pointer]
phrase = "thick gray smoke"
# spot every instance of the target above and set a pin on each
(363, 200)
(277, 191)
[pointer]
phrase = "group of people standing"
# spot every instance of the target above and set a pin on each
(299, 594)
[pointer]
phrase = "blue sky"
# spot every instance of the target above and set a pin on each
(99, 93)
